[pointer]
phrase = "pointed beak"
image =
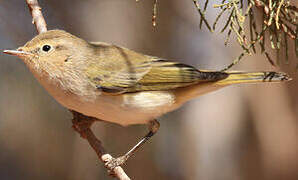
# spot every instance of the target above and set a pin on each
(17, 53)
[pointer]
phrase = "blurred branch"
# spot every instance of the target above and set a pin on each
(154, 12)
(81, 123)
(37, 17)
(202, 14)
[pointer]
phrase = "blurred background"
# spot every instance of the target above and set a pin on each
(236, 133)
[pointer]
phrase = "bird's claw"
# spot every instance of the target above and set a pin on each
(112, 163)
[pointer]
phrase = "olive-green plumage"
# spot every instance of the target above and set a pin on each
(119, 85)
(118, 70)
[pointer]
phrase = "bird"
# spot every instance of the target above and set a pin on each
(118, 85)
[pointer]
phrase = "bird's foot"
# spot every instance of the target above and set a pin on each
(114, 162)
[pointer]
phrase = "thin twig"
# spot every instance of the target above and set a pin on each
(37, 17)
(154, 13)
(202, 14)
(81, 123)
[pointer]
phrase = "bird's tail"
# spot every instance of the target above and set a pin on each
(253, 77)
(229, 78)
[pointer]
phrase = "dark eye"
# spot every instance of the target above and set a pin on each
(46, 48)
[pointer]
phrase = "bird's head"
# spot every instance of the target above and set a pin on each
(52, 51)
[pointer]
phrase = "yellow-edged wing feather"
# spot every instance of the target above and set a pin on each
(118, 70)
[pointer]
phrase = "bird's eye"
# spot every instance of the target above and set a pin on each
(46, 48)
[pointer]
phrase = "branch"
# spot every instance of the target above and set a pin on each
(37, 17)
(81, 123)
(154, 12)
(279, 23)
(118, 171)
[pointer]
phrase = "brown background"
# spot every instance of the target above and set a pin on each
(237, 133)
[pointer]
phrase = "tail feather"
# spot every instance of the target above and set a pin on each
(253, 77)
(184, 95)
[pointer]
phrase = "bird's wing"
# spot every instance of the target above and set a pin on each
(120, 70)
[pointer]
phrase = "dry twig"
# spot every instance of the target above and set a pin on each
(81, 123)
(154, 12)
(280, 19)
(37, 17)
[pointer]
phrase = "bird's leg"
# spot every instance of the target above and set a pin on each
(114, 162)
(82, 124)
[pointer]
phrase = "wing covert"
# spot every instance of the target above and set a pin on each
(119, 70)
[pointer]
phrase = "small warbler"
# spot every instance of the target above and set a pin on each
(118, 85)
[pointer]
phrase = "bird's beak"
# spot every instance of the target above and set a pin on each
(17, 53)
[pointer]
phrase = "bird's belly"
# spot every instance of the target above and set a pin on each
(109, 111)
(135, 108)
(126, 109)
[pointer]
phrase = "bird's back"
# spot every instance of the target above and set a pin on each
(120, 70)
